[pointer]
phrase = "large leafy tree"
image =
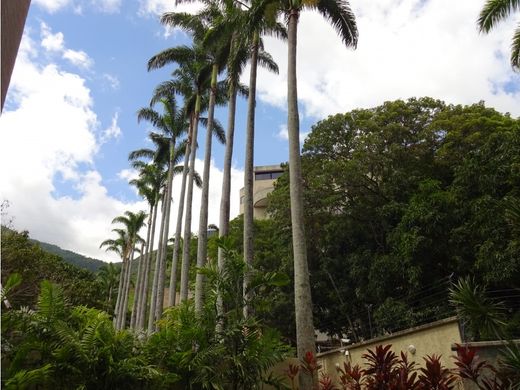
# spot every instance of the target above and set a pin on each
(493, 12)
(398, 198)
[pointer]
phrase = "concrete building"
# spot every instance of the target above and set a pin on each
(14, 13)
(264, 179)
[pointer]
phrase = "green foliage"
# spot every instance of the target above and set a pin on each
(208, 352)
(70, 257)
(398, 198)
(20, 255)
(484, 316)
(60, 347)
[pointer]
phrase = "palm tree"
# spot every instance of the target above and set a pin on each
(258, 21)
(108, 277)
(148, 184)
(216, 54)
(118, 246)
(173, 125)
(495, 11)
(133, 222)
(339, 14)
(157, 176)
(194, 71)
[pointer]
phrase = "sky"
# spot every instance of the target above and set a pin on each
(69, 121)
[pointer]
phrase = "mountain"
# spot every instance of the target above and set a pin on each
(72, 257)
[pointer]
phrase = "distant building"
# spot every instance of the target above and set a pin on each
(264, 179)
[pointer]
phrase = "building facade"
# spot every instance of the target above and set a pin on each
(264, 178)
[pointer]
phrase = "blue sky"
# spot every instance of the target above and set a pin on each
(69, 122)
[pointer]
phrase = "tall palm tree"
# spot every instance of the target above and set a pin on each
(183, 84)
(173, 125)
(259, 21)
(216, 54)
(339, 14)
(118, 246)
(132, 222)
(159, 157)
(124, 245)
(148, 185)
(495, 11)
(194, 70)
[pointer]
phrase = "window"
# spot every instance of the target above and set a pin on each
(267, 175)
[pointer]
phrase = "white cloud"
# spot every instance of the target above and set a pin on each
(158, 7)
(52, 131)
(283, 134)
(49, 133)
(128, 174)
(78, 58)
(50, 41)
(406, 48)
(52, 5)
(113, 131)
(104, 6)
(111, 80)
(56, 43)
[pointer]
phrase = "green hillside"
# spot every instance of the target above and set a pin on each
(71, 257)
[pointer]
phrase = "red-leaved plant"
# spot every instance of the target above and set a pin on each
(386, 371)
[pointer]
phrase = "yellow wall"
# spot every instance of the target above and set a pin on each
(435, 338)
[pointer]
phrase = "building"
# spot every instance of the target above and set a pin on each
(14, 13)
(264, 179)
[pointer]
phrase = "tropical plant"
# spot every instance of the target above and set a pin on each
(483, 317)
(238, 355)
(125, 246)
(192, 74)
(61, 347)
(495, 11)
(108, 276)
(149, 184)
(173, 124)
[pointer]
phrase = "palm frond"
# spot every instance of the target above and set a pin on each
(341, 17)
(266, 61)
(515, 50)
(494, 11)
(179, 54)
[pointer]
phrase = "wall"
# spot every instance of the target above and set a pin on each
(434, 338)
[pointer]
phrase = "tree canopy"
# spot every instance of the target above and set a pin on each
(398, 198)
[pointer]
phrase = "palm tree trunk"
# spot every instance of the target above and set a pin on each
(142, 273)
(189, 197)
(226, 185)
(137, 290)
(202, 245)
(248, 176)
(146, 277)
(124, 306)
(176, 244)
(119, 292)
(302, 289)
(155, 283)
(162, 264)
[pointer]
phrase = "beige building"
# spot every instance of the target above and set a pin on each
(264, 179)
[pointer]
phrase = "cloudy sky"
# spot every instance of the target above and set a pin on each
(69, 121)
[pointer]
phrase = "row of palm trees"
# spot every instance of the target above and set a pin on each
(226, 36)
